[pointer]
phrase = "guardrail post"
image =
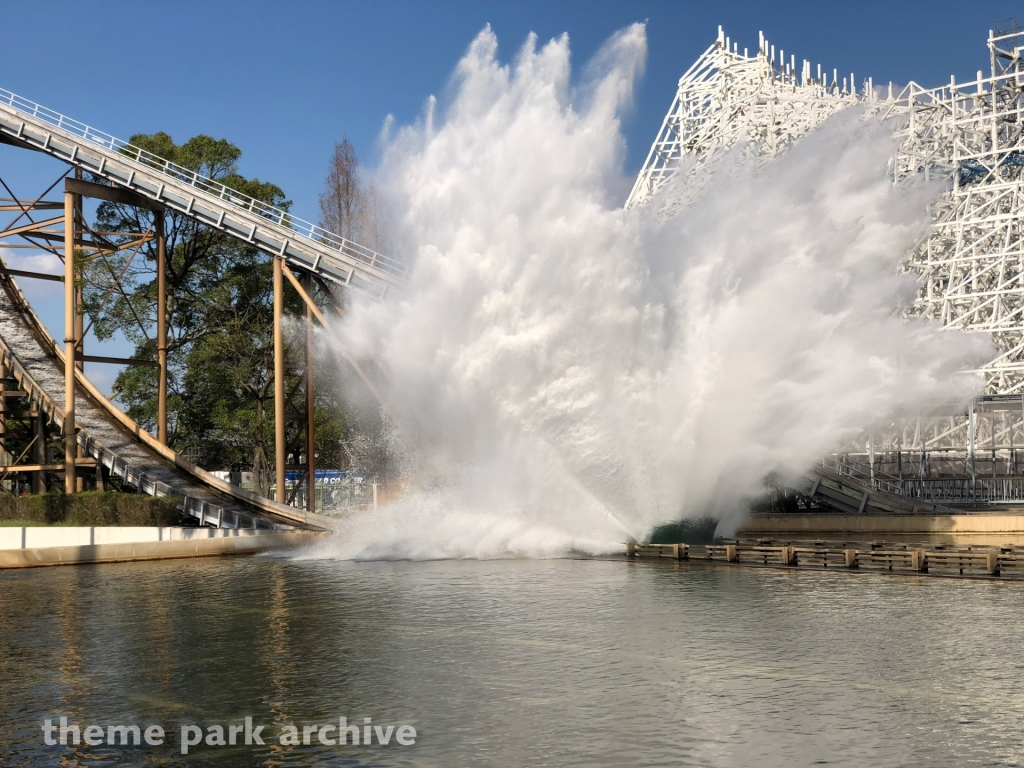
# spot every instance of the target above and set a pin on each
(630, 549)
(918, 560)
(731, 555)
(992, 563)
(851, 558)
(70, 448)
(681, 551)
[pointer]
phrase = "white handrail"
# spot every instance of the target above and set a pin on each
(183, 175)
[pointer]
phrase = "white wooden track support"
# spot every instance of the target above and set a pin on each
(971, 264)
(760, 104)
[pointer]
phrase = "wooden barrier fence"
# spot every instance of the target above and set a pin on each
(896, 558)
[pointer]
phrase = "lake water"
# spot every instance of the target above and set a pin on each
(516, 663)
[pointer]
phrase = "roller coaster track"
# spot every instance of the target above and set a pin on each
(302, 244)
(37, 363)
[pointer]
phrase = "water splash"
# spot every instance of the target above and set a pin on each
(569, 373)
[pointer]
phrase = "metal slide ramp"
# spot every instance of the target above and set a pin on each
(111, 438)
(304, 245)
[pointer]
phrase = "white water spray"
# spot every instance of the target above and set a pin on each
(570, 374)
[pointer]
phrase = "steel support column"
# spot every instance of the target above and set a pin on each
(310, 405)
(70, 444)
(79, 317)
(3, 418)
(161, 327)
(37, 419)
(79, 287)
(319, 315)
(971, 430)
(79, 341)
(279, 436)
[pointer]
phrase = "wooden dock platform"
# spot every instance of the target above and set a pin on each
(877, 556)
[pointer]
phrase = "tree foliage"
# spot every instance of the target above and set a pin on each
(341, 202)
(351, 206)
(220, 316)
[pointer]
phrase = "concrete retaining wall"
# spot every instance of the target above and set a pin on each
(884, 524)
(988, 528)
(36, 546)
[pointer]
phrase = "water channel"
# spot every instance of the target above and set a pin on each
(583, 662)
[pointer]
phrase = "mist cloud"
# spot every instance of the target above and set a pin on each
(570, 374)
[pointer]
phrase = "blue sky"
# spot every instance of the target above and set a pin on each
(284, 81)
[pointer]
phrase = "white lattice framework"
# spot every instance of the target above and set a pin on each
(758, 104)
(972, 262)
(972, 275)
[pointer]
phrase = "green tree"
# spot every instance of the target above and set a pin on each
(220, 324)
(220, 315)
